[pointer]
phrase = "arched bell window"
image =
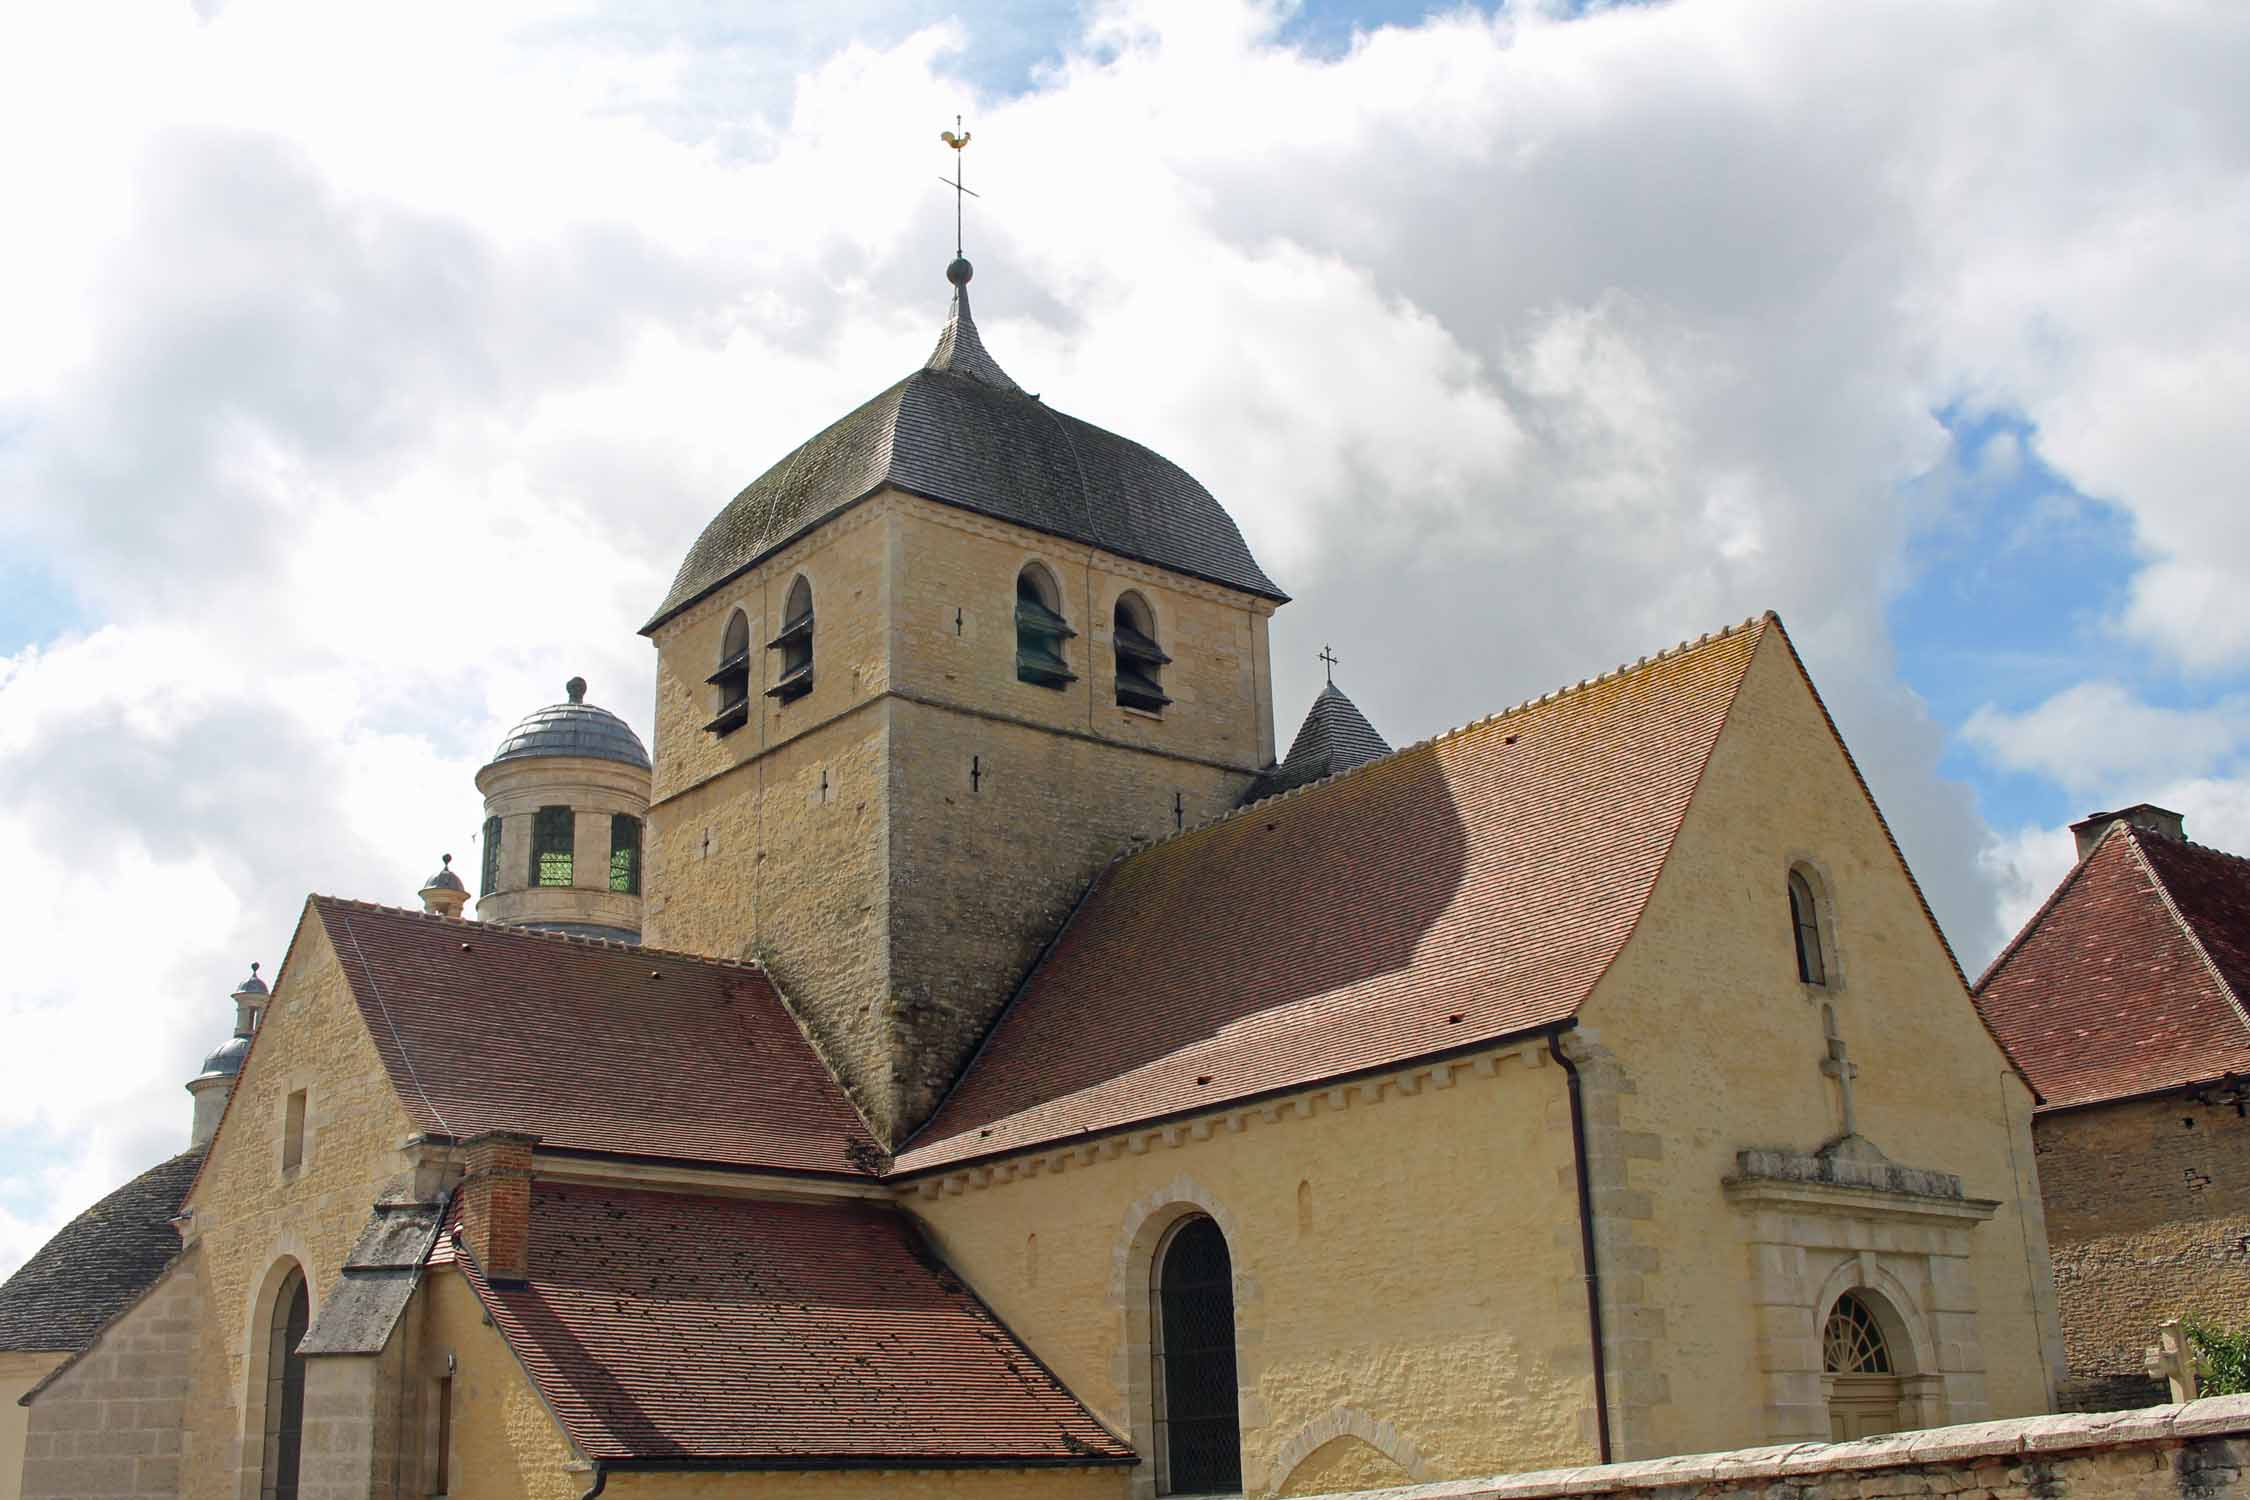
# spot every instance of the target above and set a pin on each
(1140, 661)
(1804, 913)
(279, 1459)
(1198, 1423)
(732, 677)
(1041, 630)
(795, 645)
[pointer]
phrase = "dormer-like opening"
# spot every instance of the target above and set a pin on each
(1041, 630)
(732, 677)
(795, 645)
(1140, 661)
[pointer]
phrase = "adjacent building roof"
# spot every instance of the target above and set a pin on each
(2134, 974)
(771, 1334)
(591, 1046)
(1451, 894)
(960, 432)
(1334, 738)
(97, 1263)
(575, 728)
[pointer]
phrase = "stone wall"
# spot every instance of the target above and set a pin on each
(111, 1425)
(2148, 1211)
(19, 1372)
(2198, 1451)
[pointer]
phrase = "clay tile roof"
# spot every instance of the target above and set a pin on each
(778, 1335)
(97, 1263)
(592, 1046)
(1457, 892)
(2132, 977)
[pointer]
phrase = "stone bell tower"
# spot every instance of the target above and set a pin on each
(917, 683)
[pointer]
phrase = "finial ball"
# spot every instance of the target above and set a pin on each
(576, 687)
(960, 271)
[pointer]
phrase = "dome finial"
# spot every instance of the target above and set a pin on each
(960, 271)
(576, 687)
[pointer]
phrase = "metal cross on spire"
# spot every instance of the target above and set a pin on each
(1331, 658)
(958, 139)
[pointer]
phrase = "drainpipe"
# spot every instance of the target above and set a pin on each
(1586, 1241)
(601, 1481)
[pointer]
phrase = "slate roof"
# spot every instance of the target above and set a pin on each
(771, 1334)
(1452, 894)
(573, 727)
(960, 432)
(1334, 738)
(2133, 976)
(97, 1263)
(592, 1046)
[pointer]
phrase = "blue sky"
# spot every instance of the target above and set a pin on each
(369, 371)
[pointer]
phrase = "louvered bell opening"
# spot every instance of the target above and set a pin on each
(793, 683)
(1040, 633)
(737, 665)
(1137, 689)
(1202, 1437)
(1134, 646)
(795, 645)
(737, 711)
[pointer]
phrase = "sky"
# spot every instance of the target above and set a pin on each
(366, 371)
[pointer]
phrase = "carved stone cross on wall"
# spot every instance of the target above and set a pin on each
(1839, 1066)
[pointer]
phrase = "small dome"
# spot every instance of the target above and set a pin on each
(226, 1062)
(446, 880)
(253, 985)
(574, 728)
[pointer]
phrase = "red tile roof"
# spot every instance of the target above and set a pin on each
(774, 1335)
(2132, 977)
(1457, 892)
(591, 1046)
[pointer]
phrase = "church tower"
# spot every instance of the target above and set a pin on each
(917, 683)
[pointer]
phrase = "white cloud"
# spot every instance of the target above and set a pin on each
(370, 373)
(2100, 738)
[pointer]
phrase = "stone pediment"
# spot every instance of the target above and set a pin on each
(1851, 1161)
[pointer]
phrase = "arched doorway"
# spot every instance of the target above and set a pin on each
(1859, 1377)
(1198, 1425)
(285, 1391)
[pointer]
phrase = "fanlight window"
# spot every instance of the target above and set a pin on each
(732, 677)
(285, 1392)
(490, 881)
(1853, 1343)
(625, 853)
(1041, 631)
(1804, 911)
(795, 645)
(1140, 661)
(553, 834)
(1198, 1432)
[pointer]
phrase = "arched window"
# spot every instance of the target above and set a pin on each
(1041, 630)
(795, 644)
(1804, 912)
(625, 853)
(1861, 1382)
(732, 677)
(1198, 1431)
(1140, 661)
(285, 1391)
(491, 879)
(553, 837)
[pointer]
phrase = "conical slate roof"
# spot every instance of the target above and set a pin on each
(960, 432)
(1335, 737)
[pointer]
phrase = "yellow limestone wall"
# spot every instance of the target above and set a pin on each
(1405, 1260)
(1720, 1047)
(19, 1372)
(888, 1484)
(505, 1444)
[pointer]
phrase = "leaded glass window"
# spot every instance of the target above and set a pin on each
(553, 834)
(1140, 661)
(1804, 912)
(285, 1392)
(490, 881)
(1853, 1343)
(1041, 631)
(732, 676)
(795, 645)
(625, 853)
(1198, 1430)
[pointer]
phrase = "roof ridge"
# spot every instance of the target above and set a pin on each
(1621, 670)
(2180, 919)
(2031, 925)
(356, 904)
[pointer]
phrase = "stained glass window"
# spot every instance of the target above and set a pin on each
(553, 834)
(491, 879)
(625, 854)
(1197, 1418)
(1812, 966)
(1853, 1343)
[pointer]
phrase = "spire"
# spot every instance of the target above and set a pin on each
(1334, 738)
(959, 350)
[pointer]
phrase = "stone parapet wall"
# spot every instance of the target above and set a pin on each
(2197, 1450)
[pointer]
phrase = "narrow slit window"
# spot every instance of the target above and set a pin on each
(795, 645)
(1804, 912)
(553, 833)
(732, 677)
(490, 880)
(293, 1132)
(1041, 631)
(625, 854)
(1140, 661)
(441, 1468)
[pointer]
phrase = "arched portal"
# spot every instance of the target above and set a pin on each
(285, 1391)
(1859, 1376)
(1198, 1425)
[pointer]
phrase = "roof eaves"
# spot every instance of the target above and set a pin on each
(102, 1332)
(2133, 836)
(2054, 897)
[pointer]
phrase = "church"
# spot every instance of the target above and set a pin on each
(965, 1059)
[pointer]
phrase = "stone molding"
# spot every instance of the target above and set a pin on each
(1802, 1465)
(1348, 1421)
